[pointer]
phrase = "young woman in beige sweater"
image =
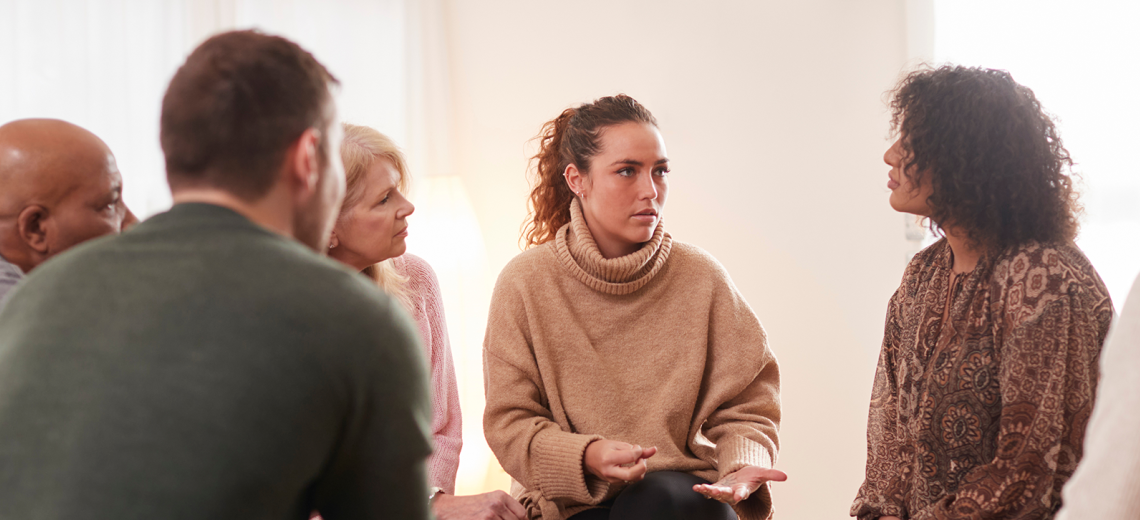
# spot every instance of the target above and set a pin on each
(625, 374)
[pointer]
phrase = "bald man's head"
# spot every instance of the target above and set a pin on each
(59, 186)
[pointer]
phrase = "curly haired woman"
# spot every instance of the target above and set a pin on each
(988, 366)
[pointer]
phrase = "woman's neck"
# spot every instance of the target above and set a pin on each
(616, 248)
(346, 257)
(609, 246)
(966, 256)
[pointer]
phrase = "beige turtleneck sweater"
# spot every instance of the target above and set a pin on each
(656, 348)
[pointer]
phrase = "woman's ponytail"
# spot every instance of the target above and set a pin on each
(549, 205)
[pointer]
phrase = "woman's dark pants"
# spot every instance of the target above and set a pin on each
(661, 495)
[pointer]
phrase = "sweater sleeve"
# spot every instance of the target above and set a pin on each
(1106, 485)
(1047, 375)
(882, 491)
(517, 421)
(744, 426)
(447, 418)
(378, 462)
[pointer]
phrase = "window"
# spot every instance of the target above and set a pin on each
(1080, 59)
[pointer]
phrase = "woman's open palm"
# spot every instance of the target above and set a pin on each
(740, 484)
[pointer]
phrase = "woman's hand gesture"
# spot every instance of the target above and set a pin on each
(737, 486)
(615, 461)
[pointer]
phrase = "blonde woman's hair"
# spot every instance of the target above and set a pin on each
(361, 147)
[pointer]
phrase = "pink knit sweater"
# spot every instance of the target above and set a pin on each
(447, 424)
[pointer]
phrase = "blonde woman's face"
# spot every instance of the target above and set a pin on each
(374, 228)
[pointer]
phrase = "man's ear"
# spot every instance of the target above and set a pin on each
(34, 227)
(306, 163)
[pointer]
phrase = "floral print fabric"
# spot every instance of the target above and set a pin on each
(982, 417)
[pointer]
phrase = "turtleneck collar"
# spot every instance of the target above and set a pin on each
(579, 254)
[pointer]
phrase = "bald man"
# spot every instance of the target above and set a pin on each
(59, 186)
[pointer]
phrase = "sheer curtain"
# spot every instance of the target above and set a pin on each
(102, 65)
(105, 64)
(1079, 58)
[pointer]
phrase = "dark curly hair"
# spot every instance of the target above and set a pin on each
(996, 163)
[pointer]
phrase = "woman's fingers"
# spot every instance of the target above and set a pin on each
(629, 455)
(515, 510)
(719, 493)
(772, 475)
(629, 474)
(739, 485)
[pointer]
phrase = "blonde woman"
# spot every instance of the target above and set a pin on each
(369, 237)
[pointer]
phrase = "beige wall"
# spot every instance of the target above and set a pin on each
(773, 115)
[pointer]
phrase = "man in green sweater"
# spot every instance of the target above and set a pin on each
(208, 364)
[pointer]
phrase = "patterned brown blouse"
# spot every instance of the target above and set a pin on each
(983, 418)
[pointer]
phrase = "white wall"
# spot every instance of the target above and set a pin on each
(773, 116)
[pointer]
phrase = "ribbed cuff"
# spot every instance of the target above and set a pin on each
(443, 464)
(559, 468)
(736, 452)
(757, 506)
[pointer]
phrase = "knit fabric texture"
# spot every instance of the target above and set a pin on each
(201, 366)
(426, 304)
(1106, 485)
(656, 348)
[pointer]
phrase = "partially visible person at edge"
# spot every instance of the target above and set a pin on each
(988, 366)
(59, 186)
(1106, 485)
(626, 377)
(210, 363)
(369, 237)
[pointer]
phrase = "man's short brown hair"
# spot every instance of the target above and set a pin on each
(234, 108)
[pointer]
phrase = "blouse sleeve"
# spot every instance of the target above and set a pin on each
(882, 491)
(1106, 485)
(1048, 346)
(517, 420)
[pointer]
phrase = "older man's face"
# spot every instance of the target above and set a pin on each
(59, 186)
(93, 208)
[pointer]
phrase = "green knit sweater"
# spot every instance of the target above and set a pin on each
(202, 367)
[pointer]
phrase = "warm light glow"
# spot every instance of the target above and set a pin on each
(444, 231)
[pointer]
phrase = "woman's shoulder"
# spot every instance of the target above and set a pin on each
(923, 265)
(533, 261)
(414, 267)
(420, 281)
(1056, 261)
(694, 256)
(1035, 274)
(930, 256)
(694, 262)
